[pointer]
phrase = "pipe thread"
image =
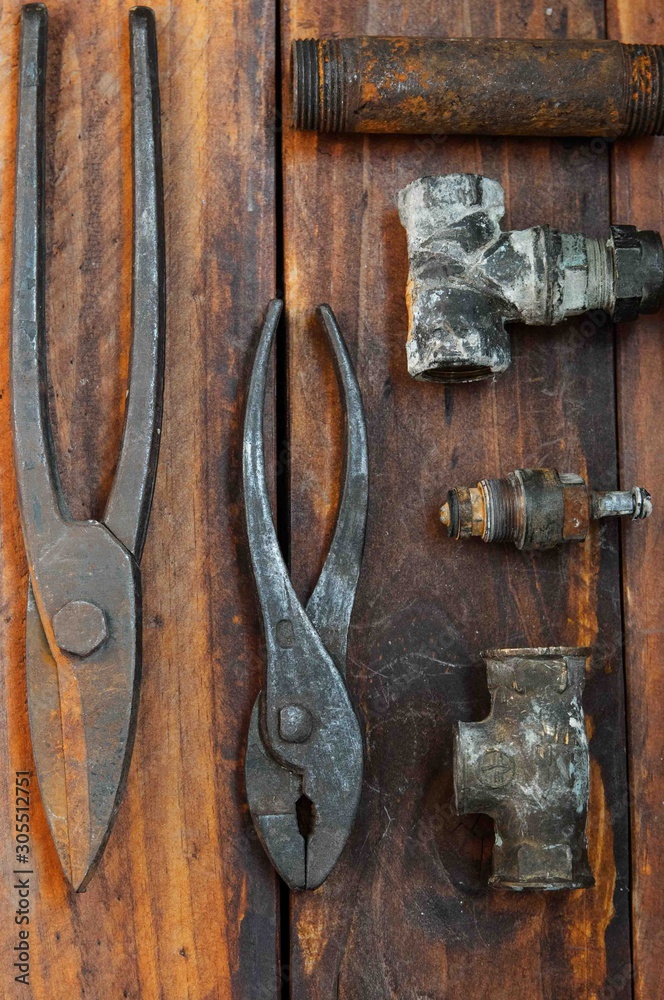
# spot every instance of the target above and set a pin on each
(644, 89)
(319, 84)
(333, 105)
(501, 522)
(601, 276)
(306, 84)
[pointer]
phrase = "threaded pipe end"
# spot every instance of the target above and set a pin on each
(306, 83)
(502, 522)
(644, 78)
(601, 276)
(319, 84)
(333, 109)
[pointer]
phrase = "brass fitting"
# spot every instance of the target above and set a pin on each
(536, 508)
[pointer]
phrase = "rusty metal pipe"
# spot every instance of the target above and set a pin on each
(478, 86)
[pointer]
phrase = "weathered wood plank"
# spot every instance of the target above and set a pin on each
(637, 186)
(184, 904)
(407, 913)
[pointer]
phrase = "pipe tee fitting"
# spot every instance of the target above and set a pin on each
(468, 278)
(527, 766)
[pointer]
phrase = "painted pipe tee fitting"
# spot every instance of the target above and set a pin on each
(527, 766)
(468, 278)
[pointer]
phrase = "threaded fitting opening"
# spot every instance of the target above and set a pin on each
(456, 373)
(644, 79)
(501, 510)
(319, 84)
(538, 653)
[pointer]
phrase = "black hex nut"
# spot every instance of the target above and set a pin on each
(639, 263)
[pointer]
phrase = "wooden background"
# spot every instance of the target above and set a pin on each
(185, 905)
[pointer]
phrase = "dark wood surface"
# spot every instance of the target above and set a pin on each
(408, 913)
(637, 184)
(185, 905)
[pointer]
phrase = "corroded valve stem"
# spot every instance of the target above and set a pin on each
(536, 508)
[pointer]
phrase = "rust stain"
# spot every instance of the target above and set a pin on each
(591, 912)
(312, 939)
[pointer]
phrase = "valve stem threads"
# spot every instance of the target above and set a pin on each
(503, 506)
(490, 511)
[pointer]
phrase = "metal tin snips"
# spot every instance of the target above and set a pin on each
(305, 755)
(83, 631)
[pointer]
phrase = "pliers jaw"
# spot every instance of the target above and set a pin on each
(83, 629)
(304, 755)
(304, 804)
(274, 792)
(83, 701)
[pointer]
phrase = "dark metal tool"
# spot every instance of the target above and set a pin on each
(536, 508)
(527, 766)
(478, 86)
(83, 643)
(304, 754)
(469, 279)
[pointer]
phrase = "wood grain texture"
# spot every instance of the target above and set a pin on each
(638, 186)
(184, 904)
(408, 913)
